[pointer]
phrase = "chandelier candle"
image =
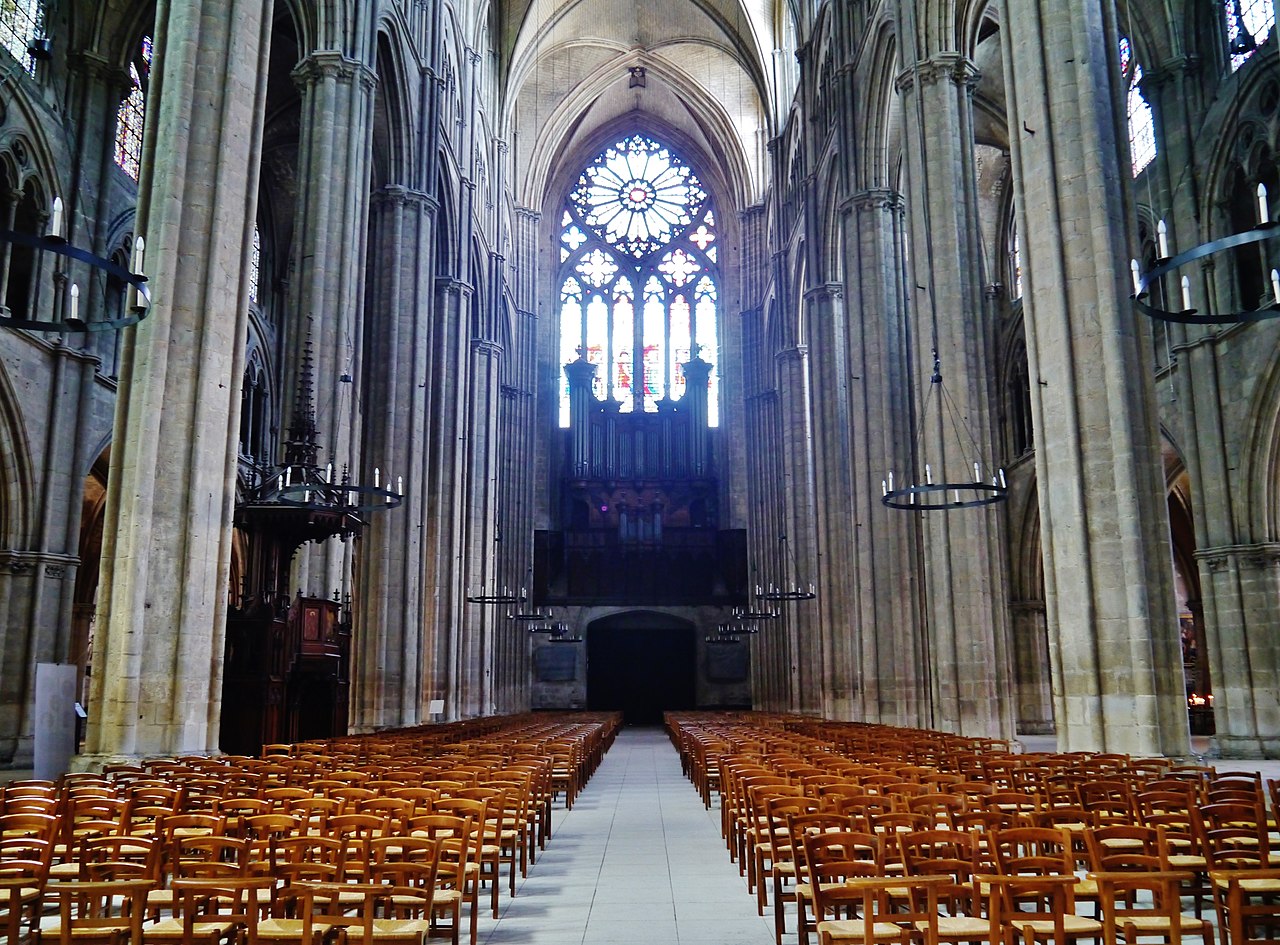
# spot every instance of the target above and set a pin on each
(56, 222)
(1264, 214)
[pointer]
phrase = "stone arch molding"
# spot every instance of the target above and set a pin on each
(563, 138)
(16, 481)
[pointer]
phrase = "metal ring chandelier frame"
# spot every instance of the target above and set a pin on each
(1190, 316)
(54, 244)
(339, 495)
(984, 494)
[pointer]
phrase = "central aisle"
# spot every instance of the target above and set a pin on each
(637, 861)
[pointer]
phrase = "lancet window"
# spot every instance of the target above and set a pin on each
(1142, 124)
(132, 111)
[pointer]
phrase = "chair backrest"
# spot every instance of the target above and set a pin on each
(1121, 847)
(1034, 851)
(1046, 899)
(1233, 834)
(230, 900)
(208, 857)
(120, 857)
(109, 908)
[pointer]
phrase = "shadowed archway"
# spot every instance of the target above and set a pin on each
(642, 664)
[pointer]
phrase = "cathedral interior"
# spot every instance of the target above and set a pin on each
(520, 355)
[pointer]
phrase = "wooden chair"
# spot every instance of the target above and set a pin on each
(950, 854)
(880, 916)
(213, 909)
(1145, 904)
(843, 855)
(1036, 907)
(1247, 901)
(105, 911)
(20, 899)
(800, 825)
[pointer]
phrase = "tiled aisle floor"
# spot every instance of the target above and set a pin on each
(638, 861)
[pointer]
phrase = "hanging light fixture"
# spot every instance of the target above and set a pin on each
(1264, 230)
(960, 492)
(754, 612)
(333, 505)
(555, 632)
(787, 588)
(951, 491)
(74, 320)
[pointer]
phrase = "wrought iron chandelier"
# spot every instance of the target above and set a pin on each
(74, 320)
(332, 506)
(920, 493)
(1265, 229)
(958, 492)
(787, 588)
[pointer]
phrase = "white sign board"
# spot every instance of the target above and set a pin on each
(55, 719)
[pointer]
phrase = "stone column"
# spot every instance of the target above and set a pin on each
(801, 620)
(965, 592)
(450, 347)
(885, 613)
(328, 271)
(157, 682)
(390, 645)
(482, 562)
(1109, 596)
(834, 490)
(1241, 587)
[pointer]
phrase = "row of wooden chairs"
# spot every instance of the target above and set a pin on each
(1205, 832)
(361, 817)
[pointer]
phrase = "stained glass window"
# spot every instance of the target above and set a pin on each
(132, 110)
(1258, 17)
(1142, 124)
(255, 264)
(19, 25)
(639, 276)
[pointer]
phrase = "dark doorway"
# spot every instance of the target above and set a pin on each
(641, 664)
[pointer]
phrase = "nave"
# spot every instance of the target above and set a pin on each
(636, 860)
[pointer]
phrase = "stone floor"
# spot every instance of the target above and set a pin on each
(638, 860)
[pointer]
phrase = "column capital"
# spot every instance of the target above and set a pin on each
(331, 64)
(454, 286)
(824, 293)
(1263, 554)
(396, 195)
(960, 69)
(791, 353)
(103, 70)
(483, 346)
(881, 200)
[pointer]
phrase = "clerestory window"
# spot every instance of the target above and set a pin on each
(1249, 25)
(132, 111)
(639, 277)
(20, 23)
(1142, 123)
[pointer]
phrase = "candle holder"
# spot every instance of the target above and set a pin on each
(1266, 230)
(950, 494)
(786, 590)
(53, 242)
